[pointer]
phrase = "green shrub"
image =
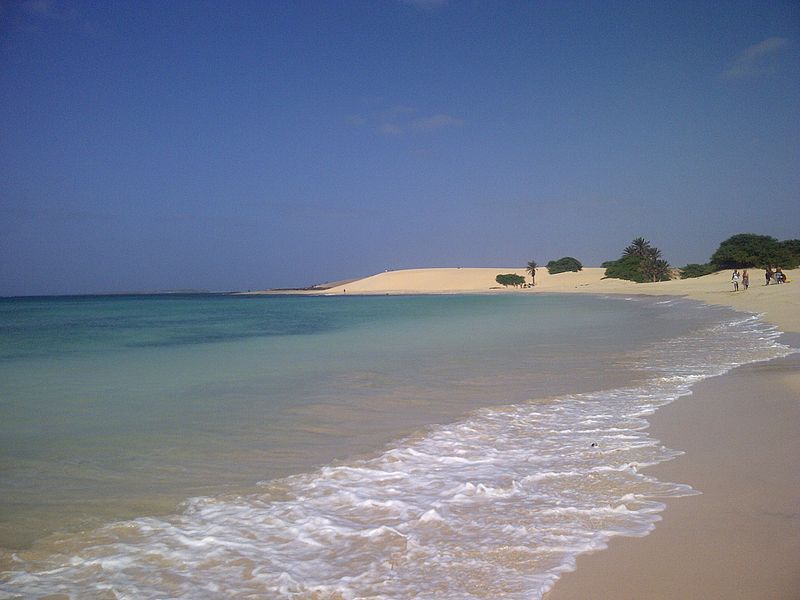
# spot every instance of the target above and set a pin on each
(562, 265)
(641, 262)
(510, 279)
(745, 250)
(627, 267)
(697, 270)
(793, 248)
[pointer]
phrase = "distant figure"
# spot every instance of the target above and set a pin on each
(779, 277)
(768, 274)
(745, 279)
(735, 278)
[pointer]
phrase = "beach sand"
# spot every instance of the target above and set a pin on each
(739, 539)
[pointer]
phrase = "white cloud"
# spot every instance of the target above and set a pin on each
(755, 59)
(400, 119)
(398, 111)
(437, 122)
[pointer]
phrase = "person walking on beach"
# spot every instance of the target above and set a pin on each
(745, 279)
(735, 280)
(768, 274)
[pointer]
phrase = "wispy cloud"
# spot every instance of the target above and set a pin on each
(390, 129)
(436, 122)
(756, 59)
(401, 119)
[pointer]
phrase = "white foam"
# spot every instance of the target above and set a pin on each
(496, 505)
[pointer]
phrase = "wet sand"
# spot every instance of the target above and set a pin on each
(740, 539)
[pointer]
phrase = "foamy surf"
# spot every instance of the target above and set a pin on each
(496, 505)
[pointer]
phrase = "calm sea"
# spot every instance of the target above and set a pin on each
(337, 447)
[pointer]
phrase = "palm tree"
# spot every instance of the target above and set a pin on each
(652, 254)
(650, 262)
(639, 247)
(656, 269)
(654, 266)
(532, 266)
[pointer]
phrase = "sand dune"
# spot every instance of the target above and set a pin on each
(460, 280)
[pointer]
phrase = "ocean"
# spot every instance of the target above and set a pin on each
(217, 446)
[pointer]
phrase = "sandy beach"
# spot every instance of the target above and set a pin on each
(779, 303)
(741, 537)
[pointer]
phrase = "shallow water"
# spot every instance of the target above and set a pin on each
(129, 405)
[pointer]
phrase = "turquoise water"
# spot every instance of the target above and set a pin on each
(167, 407)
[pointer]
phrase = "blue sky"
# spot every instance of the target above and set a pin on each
(244, 145)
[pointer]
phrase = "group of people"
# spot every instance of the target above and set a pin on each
(777, 275)
(743, 278)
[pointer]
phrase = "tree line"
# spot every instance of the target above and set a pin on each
(642, 262)
(748, 250)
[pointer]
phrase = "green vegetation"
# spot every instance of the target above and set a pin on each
(793, 248)
(562, 265)
(746, 250)
(640, 262)
(627, 267)
(531, 268)
(510, 279)
(697, 270)
(750, 250)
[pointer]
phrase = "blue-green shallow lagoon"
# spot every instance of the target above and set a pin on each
(122, 406)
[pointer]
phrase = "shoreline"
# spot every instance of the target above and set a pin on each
(738, 539)
(778, 303)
